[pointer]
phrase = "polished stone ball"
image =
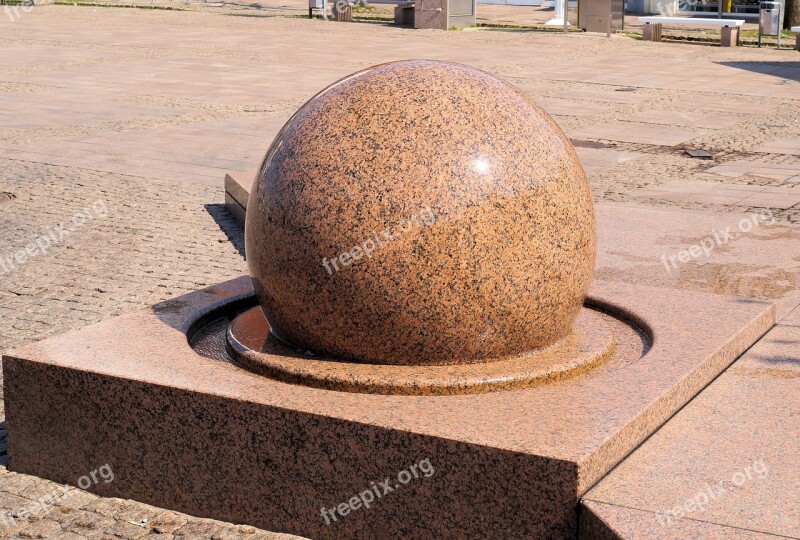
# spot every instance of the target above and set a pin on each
(420, 212)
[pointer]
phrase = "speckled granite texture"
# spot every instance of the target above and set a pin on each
(595, 339)
(731, 457)
(421, 212)
(599, 521)
(236, 196)
(209, 438)
(631, 241)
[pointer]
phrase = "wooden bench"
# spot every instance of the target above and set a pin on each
(796, 32)
(651, 31)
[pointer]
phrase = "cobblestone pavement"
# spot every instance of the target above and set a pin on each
(130, 118)
(156, 240)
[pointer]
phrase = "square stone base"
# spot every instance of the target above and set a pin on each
(729, 36)
(343, 14)
(404, 15)
(203, 436)
(651, 32)
(237, 193)
(444, 14)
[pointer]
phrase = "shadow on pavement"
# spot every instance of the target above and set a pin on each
(784, 70)
(228, 225)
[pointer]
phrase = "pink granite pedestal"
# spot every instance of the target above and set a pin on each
(237, 191)
(203, 436)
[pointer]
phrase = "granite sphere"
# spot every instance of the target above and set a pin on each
(420, 213)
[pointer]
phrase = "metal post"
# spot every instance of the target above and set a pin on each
(566, 20)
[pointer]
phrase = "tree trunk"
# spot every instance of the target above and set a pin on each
(792, 17)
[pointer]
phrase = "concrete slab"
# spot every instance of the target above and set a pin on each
(771, 200)
(594, 159)
(787, 145)
(760, 263)
(636, 133)
(680, 76)
(569, 107)
(603, 96)
(744, 195)
(196, 152)
(737, 168)
(729, 457)
(601, 521)
(703, 187)
(186, 105)
(733, 105)
(792, 319)
(711, 120)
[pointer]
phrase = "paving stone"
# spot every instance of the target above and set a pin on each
(738, 168)
(41, 528)
(76, 498)
(637, 133)
(67, 535)
(106, 506)
(128, 531)
(765, 200)
(138, 513)
(604, 96)
(240, 532)
(787, 145)
(9, 527)
(48, 492)
(198, 529)
(568, 107)
(16, 483)
(10, 502)
(167, 522)
(596, 158)
(711, 120)
(88, 523)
